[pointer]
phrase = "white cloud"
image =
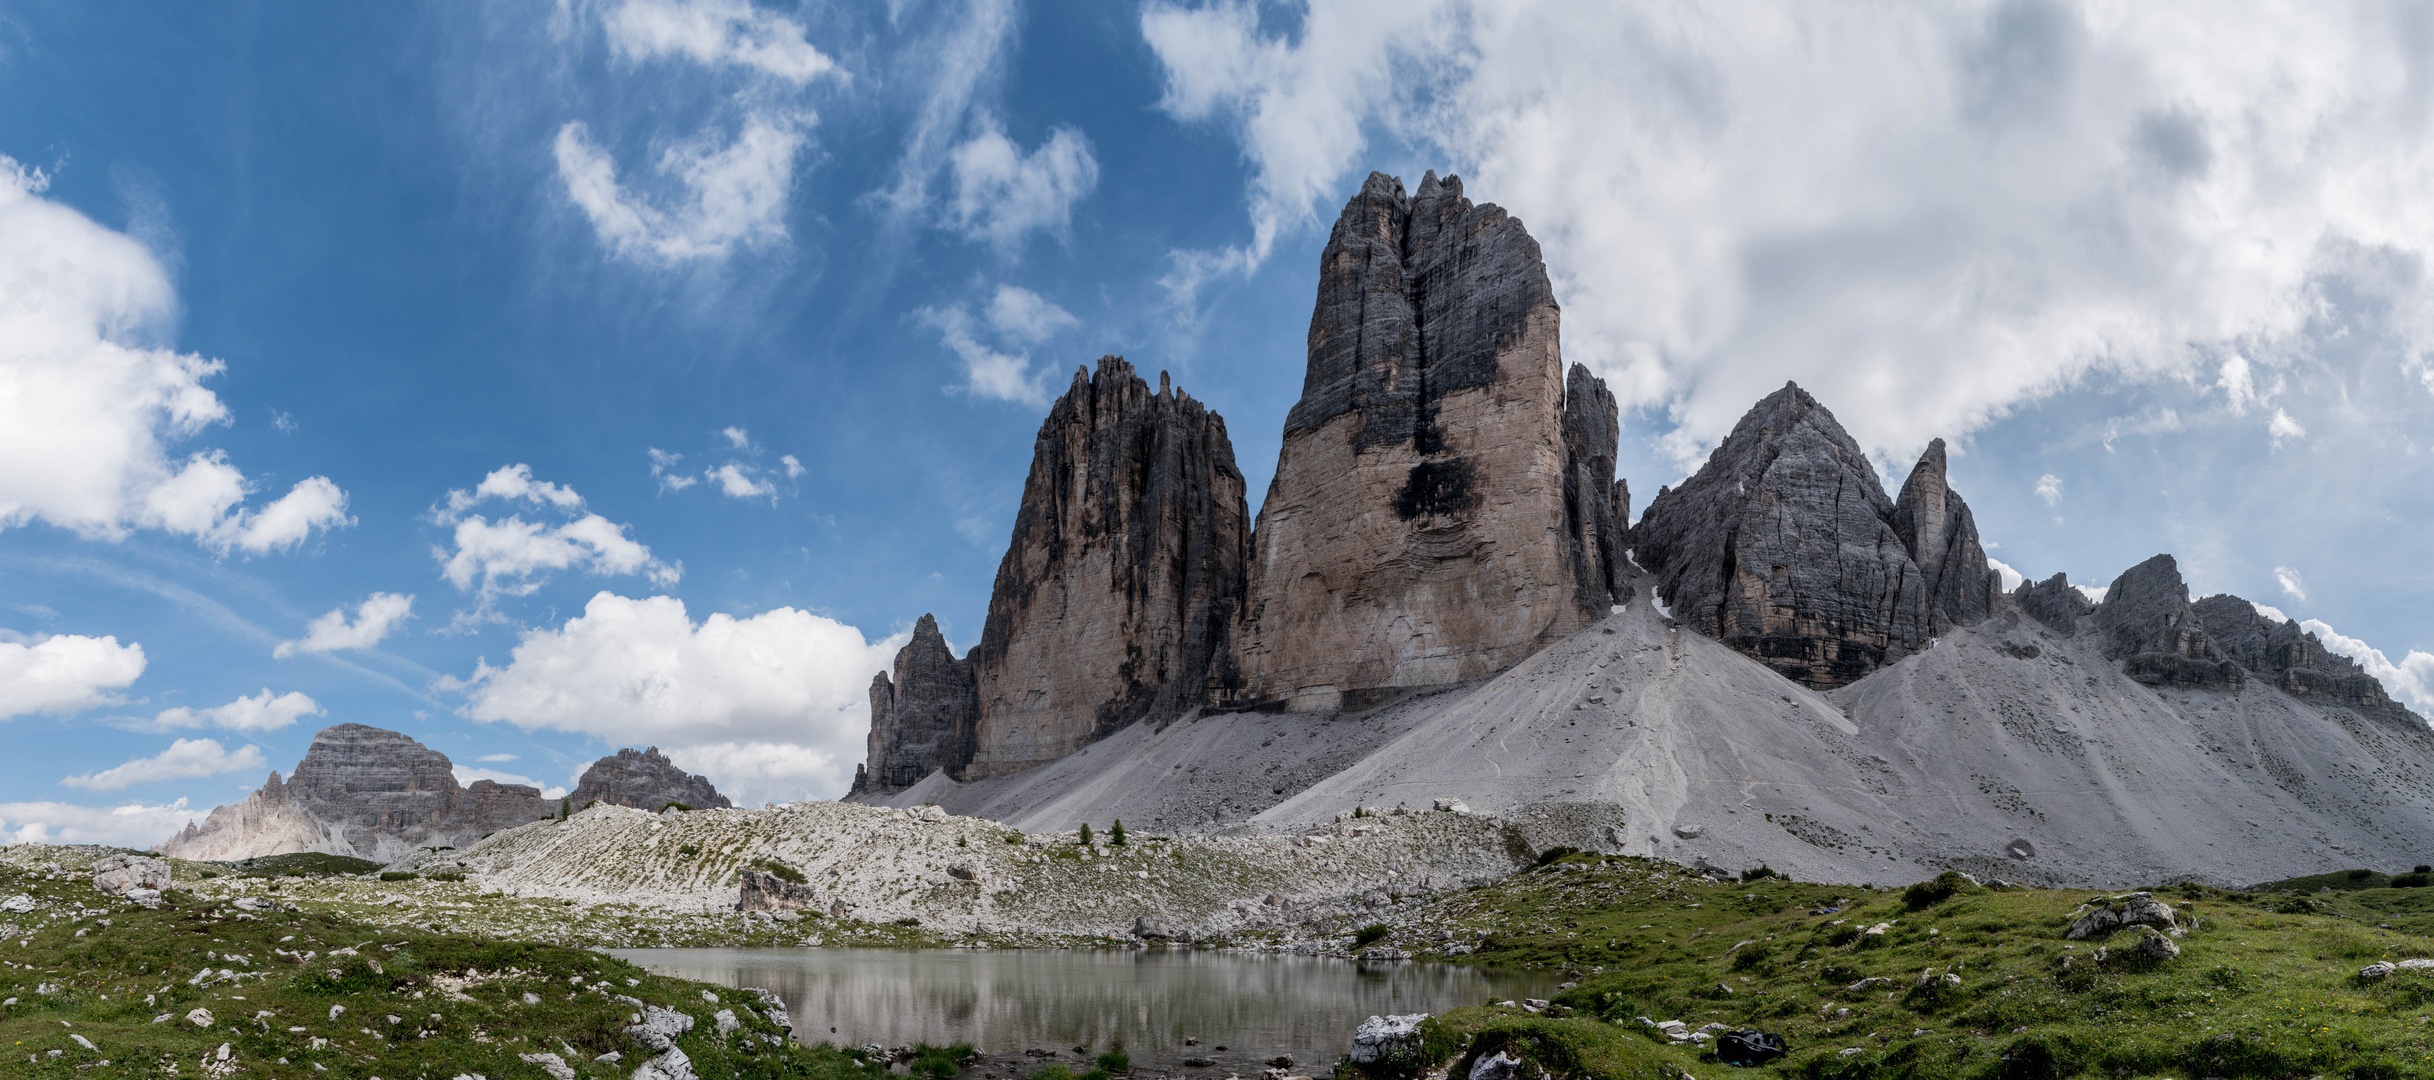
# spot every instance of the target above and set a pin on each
(512, 556)
(794, 467)
(2283, 428)
(2011, 578)
(663, 468)
(2411, 680)
(718, 198)
(2288, 579)
(2049, 488)
(90, 402)
(2238, 385)
(2270, 612)
(260, 712)
(496, 758)
(1927, 214)
(1018, 317)
(965, 53)
(715, 32)
(1002, 194)
(2094, 593)
(185, 759)
(785, 688)
(1025, 317)
(737, 438)
(64, 673)
(378, 614)
(134, 825)
(736, 482)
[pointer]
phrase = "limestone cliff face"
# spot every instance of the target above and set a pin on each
(1418, 531)
(921, 720)
(1942, 537)
(1783, 547)
(1597, 504)
(644, 780)
(1118, 591)
(364, 792)
(2149, 625)
(2055, 602)
(2284, 654)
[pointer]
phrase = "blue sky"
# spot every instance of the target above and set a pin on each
(539, 380)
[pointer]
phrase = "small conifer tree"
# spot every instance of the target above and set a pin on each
(565, 806)
(1116, 835)
(1085, 834)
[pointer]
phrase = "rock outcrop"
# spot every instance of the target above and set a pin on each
(363, 792)
(1597, 503)
(921, 720)
(1418, 531)
(1783, 547)
(2287, 656)
(1942, 537)
(644, 780)
(2149, 625)
(1119, 589)
(2055, 602)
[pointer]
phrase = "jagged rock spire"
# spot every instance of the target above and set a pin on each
(2149, 625)
(1942, 537)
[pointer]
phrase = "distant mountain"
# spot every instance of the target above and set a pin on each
(370, 793)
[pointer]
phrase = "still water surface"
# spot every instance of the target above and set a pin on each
(1144, 1003)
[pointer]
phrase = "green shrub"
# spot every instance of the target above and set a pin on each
(688, 850)
(1115, 1062)
(445, 877)
(1761, 871)
(1930, 893)
(2412, 880)
(1053, 1072)
(1369, 935)
(397, 875)
(1751, 955)
(941, 1062)
(1115, 835)
(779, 870)
(963, 841)
(1085, 834)
(1554, 853)
(908, 921)
(1014, 838)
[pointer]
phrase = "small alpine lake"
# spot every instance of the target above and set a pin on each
(1144, 1003)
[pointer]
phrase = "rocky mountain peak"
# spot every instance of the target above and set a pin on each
(1942, 535)
(1783, 547)
(2149, 625)
(644, 780)
(2285, 654)
(1430, 519)
(2055, 602)
(924, 718)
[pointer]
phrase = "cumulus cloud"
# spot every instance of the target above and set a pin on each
(64, 673)
(2292, 587)
(513, 557)
(90, 403)
(740, 477)
(2238, 384)
(185, 759)
(737, 438)
(378, 614)
(992, 347)
(716, 32)
(737, 482)
(135, 824)
(717, 197)
(2049, 488)
(260, 712)
(1002, 194)
(2411, 679)
(774, 705)
(2283, 428)
(794, 467)
(663, 469)
(1927, 214)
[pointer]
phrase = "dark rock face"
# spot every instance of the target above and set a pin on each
(644, 780)
(769, 892)
(1597, 504)
(2149, 625)
(2055, 602)
(1118, 592)
(1783, 547)
(924, 718)
(1942, 536)
(365, 792)
(2289, 657)
(1426, 523)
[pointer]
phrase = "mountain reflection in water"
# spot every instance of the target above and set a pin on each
(1143, 1002)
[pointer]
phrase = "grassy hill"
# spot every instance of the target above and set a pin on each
(1974, 983)
(90, 979)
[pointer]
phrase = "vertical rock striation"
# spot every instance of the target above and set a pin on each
(2287, 656)
(1942, 537)
(1426, 524)
(1597, 504)
(364, 792)
(1782, 547)
(2055, 602)
(1117, 593)
(2149, 625)
(923, 719)
(644, 780)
